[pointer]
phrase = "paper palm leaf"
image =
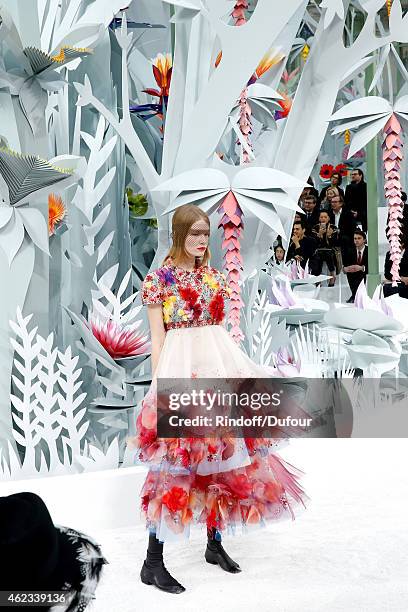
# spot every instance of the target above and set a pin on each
(259, 191)
(40, 61)
(25, 174)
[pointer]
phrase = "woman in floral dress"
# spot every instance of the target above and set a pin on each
(220, 483)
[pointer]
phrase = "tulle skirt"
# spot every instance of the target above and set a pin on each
(217, 482)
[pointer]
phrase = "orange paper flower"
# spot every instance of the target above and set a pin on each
(271, 58)
(56, 212)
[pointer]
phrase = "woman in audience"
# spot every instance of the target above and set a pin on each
(326, 236)
(335, 181)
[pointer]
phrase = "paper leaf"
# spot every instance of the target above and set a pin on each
(26, 174)
(195, 180)
(362, 107)
(36, 227)
(364, 135)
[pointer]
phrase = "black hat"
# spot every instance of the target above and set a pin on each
(40, 556)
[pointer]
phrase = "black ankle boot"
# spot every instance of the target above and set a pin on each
(216, 555)
(154, 571)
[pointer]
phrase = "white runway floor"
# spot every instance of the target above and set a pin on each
(347, 552)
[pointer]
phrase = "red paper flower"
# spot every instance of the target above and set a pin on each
(175, 499)
(216, 307)
(326, 171)
(341, 169)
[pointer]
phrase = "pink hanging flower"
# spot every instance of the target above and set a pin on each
(119, 341)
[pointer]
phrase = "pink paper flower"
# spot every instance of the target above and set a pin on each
(119, 341)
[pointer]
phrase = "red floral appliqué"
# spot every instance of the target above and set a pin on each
(190, 296)
(175, 499)
(216, 307)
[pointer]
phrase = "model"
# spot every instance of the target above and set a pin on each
(220, 483)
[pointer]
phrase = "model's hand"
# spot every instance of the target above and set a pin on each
(404, 279)
(298, 258)
(330, 232)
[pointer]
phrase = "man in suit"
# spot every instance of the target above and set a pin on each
(301, 247)
(344, 221)
(311, 216)
(355, 262)
(356, 198)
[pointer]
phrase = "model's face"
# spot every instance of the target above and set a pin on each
(355, 177)
(279, 254)
(336, 203)
(358, 241)
(324, 217)
(309, 204)
(197, 239)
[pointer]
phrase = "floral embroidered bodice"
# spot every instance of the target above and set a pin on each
(189, 298)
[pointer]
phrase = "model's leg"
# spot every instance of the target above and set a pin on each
(154, 571)
(216, 555)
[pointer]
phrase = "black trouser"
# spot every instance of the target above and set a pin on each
(354, 280)
(320, 257)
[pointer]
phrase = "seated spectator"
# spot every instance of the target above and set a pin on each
(311, 215)
(344, 221)
(301, 247)
(402, 285)
(326, 236)
(326, 203)
(355, 261)
(279, 255)
(335, 181)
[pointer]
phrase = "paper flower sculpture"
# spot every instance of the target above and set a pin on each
(20, 176)
(119, 341)
(286, 105)
(286, 304)
(370, 116)
(326, 171)
(369, 352)
(350, 318)
(259, 192)
(30, 74)
(56, 212)
(162, 70)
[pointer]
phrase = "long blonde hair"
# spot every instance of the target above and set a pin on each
(184, 217)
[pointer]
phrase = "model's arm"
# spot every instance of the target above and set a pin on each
(157, 333)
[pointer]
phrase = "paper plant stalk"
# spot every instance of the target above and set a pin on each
(392, 158)
(232, 227)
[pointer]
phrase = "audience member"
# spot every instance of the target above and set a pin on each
(311, 209)
(355, 260)
(356, 197)
(326, 236)
(326, 203)
(279, 255)
(343, 220)
(335, 181)
(301, 247)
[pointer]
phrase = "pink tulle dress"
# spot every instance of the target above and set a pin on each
(221, 483)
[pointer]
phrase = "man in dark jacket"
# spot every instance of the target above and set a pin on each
(301, 247)
(344, 221)
(311, 214)
(355, 262)
(356, 198)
